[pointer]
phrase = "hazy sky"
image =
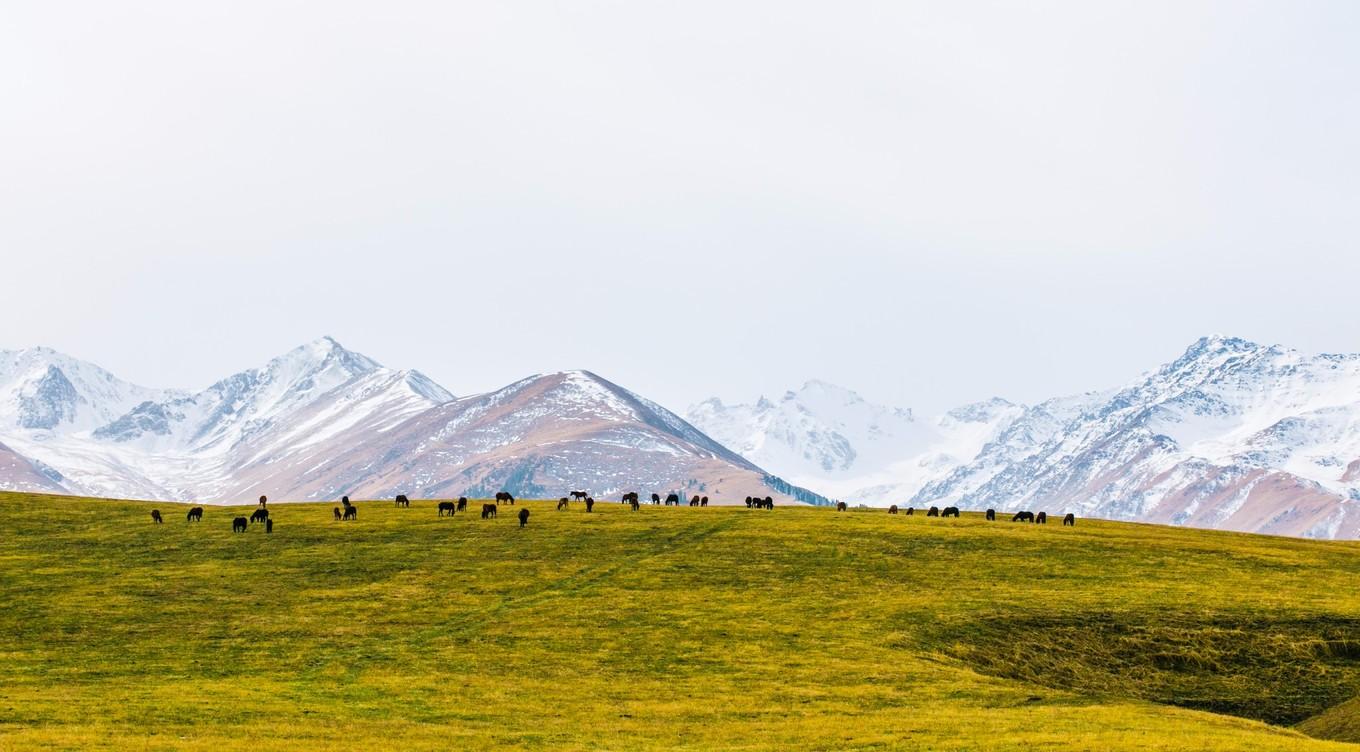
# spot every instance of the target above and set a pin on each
(931, 203)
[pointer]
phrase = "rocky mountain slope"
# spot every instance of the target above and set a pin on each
(321, 421)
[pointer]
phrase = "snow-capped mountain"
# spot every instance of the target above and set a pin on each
(320, 421)
(1231, 435)
(826, 437)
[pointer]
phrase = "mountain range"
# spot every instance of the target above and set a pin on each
(321, 421)
(1232, 435)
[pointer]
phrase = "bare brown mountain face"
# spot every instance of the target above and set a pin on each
(19, 473)
(539, 437)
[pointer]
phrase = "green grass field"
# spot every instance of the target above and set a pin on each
(715, 628)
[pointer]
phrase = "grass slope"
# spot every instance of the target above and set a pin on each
(666, 628)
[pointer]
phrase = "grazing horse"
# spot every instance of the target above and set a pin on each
(337, 514)
(561, 503)
(156, 516)
(579, 495)
(892, 509)
(656, 499)
(768, 503)
(269, 526)
(673, 499)
(590, 503)
(840, 506)
(933, 512)
(446, 506)
(629, 497)
(991, 515)
(911, 511)
(402, 501)
(504, 496)
(351, 513)
(194, 515)
(259, 515)
(748, 502)
(703, 501)
(263, 501)
(694, 502)
(523, 517)
(488, 511)
(1070, 520)
(462, 503)
(239, 525)
(635, 503)
(1023, 517)
(950, 512)
(1041, 518)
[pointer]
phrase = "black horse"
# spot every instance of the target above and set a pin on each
(991, 515)
(950, 512)
(933, 512)
(656, 499)
(259, 515)
(351, 513)
(504, 496)
(488, 511)
(462, 503)
(1023, 517)
(911, 511)
(590, 504)
(1070, 520)
(672, 499)
(579, 495)
(768, 503)
(1041, 518)
(269, 526)
(694, 502)
(263, 500)
(156, 516)
(402, 501)
(194, 515)
(337, 514)
(239, 525)
(447, 506)
(703, 501)
(523, 517)
(840, 506)
(892, 509)
(635, 503)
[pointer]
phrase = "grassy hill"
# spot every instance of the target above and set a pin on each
(666, 628)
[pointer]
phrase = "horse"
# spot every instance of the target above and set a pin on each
(263, 500)
(892, 509)
(1070, 520)
(488, 511)
(523, 517)
(590, 504)
(950, 512)
(462, 503)
(933, 512)
(748, 502)
(351, 513)
(672, 499)
(694, 502)
(579, 495)
(1023, 517)
(344, 500)
(768, 503)
(635, 504)
(991, 515)
(840, 506)
(239, 525)
(447, 506)
(156, 516)
(259, 515)
(1041, 518)
(911, 511)
(337, 514)
(631, 496)
(504, 496)
(562, 503)
(402, 501)
(194, 515)
(656, 499)
(703, 501)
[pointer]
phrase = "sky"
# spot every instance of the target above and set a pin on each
(929, 203)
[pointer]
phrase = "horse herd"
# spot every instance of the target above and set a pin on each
(1070, 520)
(349, 512)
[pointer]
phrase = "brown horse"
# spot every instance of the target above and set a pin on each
(840, 506)
(488, 511)
(892, 509)
(194, 515)
(446, 506)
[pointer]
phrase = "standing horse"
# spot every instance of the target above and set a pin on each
(194, 515)
(156, 516)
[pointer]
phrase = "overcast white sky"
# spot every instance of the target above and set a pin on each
(931, 203)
